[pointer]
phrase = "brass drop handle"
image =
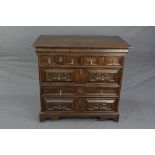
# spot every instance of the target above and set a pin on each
(91, 62)
(72, 62)
(49, 60)
(102, 78)
(60, 92)
(58, 77)
(101, 92)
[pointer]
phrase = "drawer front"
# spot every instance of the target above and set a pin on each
(103, 60)
(103, 75)
(72, 75)
(60, 91)
(58, 75)
(72, 91)
(58, 104)
(100, 105)
(59, 60)
(87, 75)
(101, 91)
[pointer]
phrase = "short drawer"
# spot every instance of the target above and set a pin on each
(72, 91)
(69, 75)
(58, 104)
(103, 61)
(59, 91)
(60, 60)
(98, 75)
(58, 75)
(100, 105)
(99, 91)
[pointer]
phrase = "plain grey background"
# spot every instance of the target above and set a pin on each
(19, 86)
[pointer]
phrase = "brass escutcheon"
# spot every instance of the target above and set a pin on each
(49, 60)
(60, 59)
(102, 59)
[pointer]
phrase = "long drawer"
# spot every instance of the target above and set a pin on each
(83, 105)
(80, 75)
(73, 91)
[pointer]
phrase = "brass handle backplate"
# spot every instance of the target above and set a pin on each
(60, 92)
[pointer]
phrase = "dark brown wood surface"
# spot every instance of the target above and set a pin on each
(84, 83)
(106, 42)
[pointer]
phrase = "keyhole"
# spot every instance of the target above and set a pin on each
(102, 59)
(81, 71)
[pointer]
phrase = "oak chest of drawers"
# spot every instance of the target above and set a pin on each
(80, 76)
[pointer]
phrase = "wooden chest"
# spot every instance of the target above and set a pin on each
(80, 76)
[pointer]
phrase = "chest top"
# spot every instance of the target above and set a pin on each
(103, 42)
